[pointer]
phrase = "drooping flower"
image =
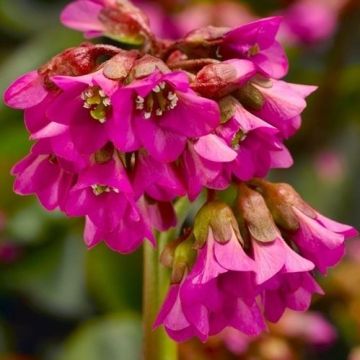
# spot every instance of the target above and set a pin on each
(221, 269)
(133, 227)
(288, 290)
(159, 112)
(160, 181)
(41, 173)
(205, 172)
(270, 251)
(257, 144)
(318, 238)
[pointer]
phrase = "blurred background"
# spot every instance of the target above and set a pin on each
(59, 301)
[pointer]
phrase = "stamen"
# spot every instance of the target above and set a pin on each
(161, 99)
(96, 101)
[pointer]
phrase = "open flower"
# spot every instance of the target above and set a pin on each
(103, 193)
(160, 112)
(85, 107)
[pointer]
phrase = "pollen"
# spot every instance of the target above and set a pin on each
(98, 104)
(160, 100)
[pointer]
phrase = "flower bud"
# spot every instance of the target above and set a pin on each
(126, 23)
(146, 66)
(281, 199)
(256, 215)
(118, 67)
(250, 97)
(184, 258)
(75, 62)
(219, 80)
(220, 218)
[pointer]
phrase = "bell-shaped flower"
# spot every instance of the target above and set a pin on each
(318, 238)
(41, 173)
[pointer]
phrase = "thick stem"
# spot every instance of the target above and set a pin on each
(157, 344)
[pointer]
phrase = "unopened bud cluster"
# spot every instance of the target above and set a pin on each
(119, 135)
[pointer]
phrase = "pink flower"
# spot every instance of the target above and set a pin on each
(256, 41)
(308, 22)
(159, 181)
(42, 173)
(199, 172)
(84, 15)
(133, 227)
(321, 239)
(312, 327)
(160, 112)
(221, 269)
(256, 144)
(288, 290)
(119, 20)
(85, 107)
(283, 104)
(318, 238)
(103, 193)
(26, 92)
(224, 13)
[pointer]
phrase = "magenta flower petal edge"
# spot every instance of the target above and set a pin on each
(120, 135)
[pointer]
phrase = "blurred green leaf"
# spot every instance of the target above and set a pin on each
(111, 338)
(52, 276)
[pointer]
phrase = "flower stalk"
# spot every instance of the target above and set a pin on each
(157, 345)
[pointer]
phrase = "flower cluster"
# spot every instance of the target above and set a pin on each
(255, 265)
(120, 134)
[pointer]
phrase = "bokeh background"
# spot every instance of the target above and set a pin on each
(59, 301)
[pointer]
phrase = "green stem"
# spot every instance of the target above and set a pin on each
(157, 344)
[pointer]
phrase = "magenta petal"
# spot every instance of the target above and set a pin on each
(82, 15)
(92, 235)
(206, 267)
(122, 130)
(162, 144)
(273, 61)
(270, 259)
(213, 148)
(50, 130)
(247, 319)
(347, 230)
(193, 116)
(261, 32)
(231, 256)
(25, 92)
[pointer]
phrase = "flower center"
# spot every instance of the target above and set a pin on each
(101, 189)
(237, 139)
(97, 102)
(160, 100)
